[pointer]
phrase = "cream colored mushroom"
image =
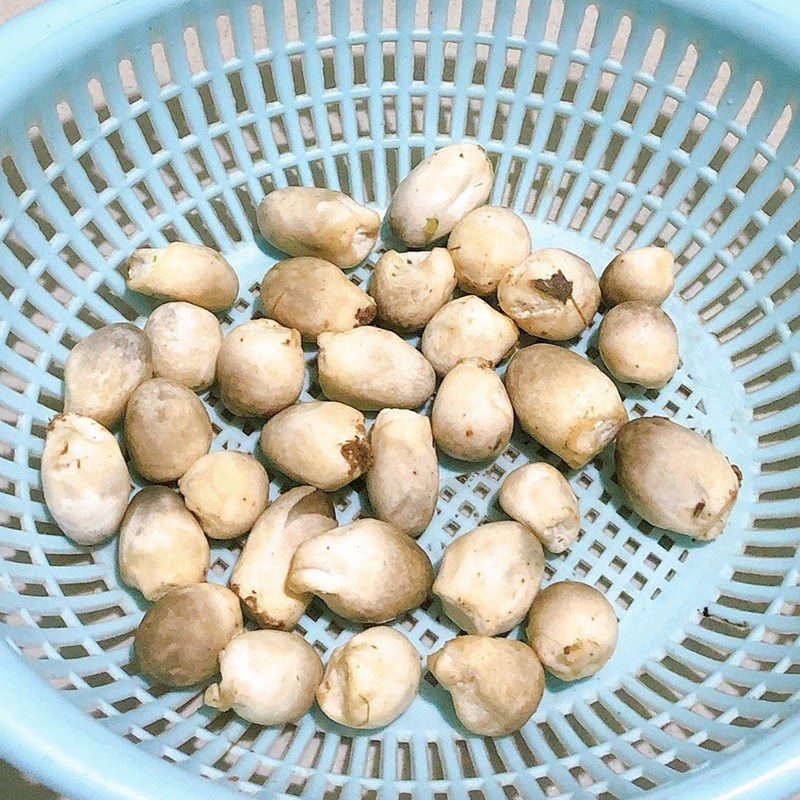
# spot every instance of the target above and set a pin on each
(539, 497)
(161, 544)
(441, 190)
(180, 271)
(227, 491)
(268, 677)
(85, 480)
(675, 478)
(366, 571)
(179, 641)
(639, 344)
(102, 371)
(321, 443)
(467, 328)
(472, 417)
(496, 684)
(185, 340)
(260, 369)
(314, 296)
(484, 245)
(488, 577)
(370, 680)
(573, 629)
(552, 294)
(564, 401)
(259, 577)
(409, 288)
(646, 274)
(167, 428)
(310, 221)
(370, 368)
(403, 481)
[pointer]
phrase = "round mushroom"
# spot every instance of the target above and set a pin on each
(320, 443)
(484, 245)
(260, 369)
(370, 368)
(539, 497)
(312, 221)
(181, 271)
(467, 328)
(179, 641)
(552, 294)
(564, 401)
(409, 288)
(675, 478)
(639, 344)
(366, 571)
(161, 544)
(185, 340)
(488, 577)
(314, 296)
(472, 417)
(167, 428)
(573, 629)
(268, 677)
(496, 684)
(102, 371)
(403, 481)
(85, 480)
(227, 491)
(370, 680)
(441, 190)
(646, 274)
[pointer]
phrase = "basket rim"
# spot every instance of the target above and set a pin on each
(46, 736)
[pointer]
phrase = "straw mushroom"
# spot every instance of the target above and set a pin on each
(484, 245)
(366, 571)
(179, 641)
(102, 371)
(496, 684)
(441, 190)
(85, 480)
(161, 544)
(573, 629)
(370, 368)
(320, 443)
(675, 478)
(185, 340)
(314, 296)
(552, 294)
(260, 369)
(311, 221)
(181, 271)
(467, 328)
(371, 679)
(227, 491)
(403, 481)
(268, 677)
(259, 577)
(409, 288)
(472, 417)
(167, 428)
(539, 497)
(646, 274)
(488, 577)
(564, 401)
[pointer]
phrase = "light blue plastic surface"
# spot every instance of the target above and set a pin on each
(606, 134)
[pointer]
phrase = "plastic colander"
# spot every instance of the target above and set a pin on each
(612, 124)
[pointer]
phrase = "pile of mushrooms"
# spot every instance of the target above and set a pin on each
(375, 418)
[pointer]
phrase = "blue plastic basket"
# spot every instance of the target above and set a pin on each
(612, 123)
